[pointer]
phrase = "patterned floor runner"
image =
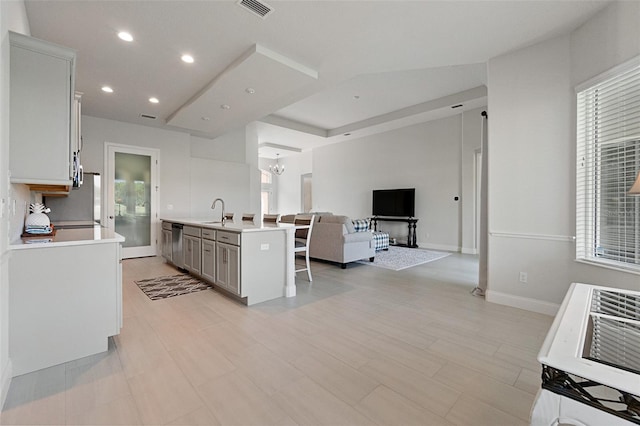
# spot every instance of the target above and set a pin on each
(398, 258)
(172, 285)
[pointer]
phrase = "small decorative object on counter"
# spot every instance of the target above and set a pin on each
(38, 222)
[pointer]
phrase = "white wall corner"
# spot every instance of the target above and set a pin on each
(7, 373)
(529, 304)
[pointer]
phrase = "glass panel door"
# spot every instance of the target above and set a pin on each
(132, 199)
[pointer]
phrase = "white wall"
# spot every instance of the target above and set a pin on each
(174, 157)
(289, 192)
(193, 171)
(429, 157)
(13, 17)
(532, 160)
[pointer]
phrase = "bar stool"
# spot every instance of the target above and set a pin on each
(248, 217)
(303, 236)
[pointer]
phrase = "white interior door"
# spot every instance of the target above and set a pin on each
(131, 194)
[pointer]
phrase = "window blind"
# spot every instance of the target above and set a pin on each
(608, 151)
(615, 329)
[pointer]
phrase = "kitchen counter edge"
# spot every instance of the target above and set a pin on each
(231, 226)
(71, 237)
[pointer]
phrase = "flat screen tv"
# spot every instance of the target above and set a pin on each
(394, 202)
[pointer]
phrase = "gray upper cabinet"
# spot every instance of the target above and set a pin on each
(41, 103)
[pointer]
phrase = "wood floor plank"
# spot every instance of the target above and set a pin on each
(347, 383)
(504, 397)
(430, 394)
(387, 407)
(235, 400)
(470, 411)
(309, 404)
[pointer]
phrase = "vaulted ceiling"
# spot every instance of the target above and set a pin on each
(310, 71)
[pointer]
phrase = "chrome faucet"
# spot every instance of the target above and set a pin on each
(213, 206)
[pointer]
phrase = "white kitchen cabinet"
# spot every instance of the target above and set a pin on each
(41, 103)
(167, 241)
(192, 254)
(228, 267)
(209, 260)
(191, 249)
(65, 300)
(209, 254)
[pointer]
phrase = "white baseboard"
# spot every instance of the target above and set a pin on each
(469, 250)
(526, 303)
(454, 249)
(7, 373)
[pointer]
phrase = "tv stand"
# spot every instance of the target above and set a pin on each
(411, 238)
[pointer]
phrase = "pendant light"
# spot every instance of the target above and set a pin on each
(277, 169)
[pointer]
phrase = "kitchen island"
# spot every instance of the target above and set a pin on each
(252, 262)
(65, 296)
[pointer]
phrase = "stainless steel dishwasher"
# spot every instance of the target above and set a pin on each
(176, 245)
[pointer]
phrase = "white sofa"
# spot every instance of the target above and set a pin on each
(334, 238)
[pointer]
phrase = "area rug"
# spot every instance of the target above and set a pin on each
(399, 258)
(171, 285)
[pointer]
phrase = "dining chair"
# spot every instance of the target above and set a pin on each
(270, 218)
(288, 218)
(302, 238)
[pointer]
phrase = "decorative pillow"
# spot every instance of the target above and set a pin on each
(361, 225)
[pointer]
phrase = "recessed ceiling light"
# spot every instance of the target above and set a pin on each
(107, 89)
(154, 100)
(250, 90)
(356, 97)
(125, 36)
(225, 106)
(205, 118)
(187, 58)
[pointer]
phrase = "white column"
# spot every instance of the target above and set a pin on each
(290, 284)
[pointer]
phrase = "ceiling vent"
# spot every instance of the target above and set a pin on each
(150, 117)
(256, 7)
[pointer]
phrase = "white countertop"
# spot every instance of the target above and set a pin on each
(232, 226)
(69, 237)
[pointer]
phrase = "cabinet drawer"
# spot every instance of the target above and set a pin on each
(228, 237)
(191, 230)
(209, 234)
(166, 225)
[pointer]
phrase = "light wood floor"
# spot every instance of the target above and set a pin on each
(359, 346)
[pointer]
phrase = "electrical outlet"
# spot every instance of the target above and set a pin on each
(523, 277)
